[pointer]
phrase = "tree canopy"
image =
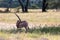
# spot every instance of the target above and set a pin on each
(32, 3)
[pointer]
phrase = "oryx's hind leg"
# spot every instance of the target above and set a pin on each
(27, 28)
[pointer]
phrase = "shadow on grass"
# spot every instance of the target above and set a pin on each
(14, 31)
(44, 30)
(51, 30)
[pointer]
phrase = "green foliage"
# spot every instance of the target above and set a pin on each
(34, 6)
(53, 4)
(45, 29)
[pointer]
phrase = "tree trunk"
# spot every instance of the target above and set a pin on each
(44, 6)
(21, 5)
(24, 7)
(7, 10)
(9, 5)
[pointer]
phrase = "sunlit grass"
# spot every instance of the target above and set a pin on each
(29, 36)
(45, 17)
(34, 17)
(51, 33)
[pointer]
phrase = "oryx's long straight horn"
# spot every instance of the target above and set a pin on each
(17, 16)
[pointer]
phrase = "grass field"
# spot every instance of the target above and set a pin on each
(29, 36)
(35, 17)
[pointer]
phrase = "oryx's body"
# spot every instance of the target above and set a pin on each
(21, 24)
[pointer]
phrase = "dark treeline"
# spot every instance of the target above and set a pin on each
(32, 4)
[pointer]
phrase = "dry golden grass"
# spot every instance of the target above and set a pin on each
(36, 16)
(28, 36)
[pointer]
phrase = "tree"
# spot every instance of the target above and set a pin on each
(24, 7)
(9, 4)
(53, 4)
(44, 6)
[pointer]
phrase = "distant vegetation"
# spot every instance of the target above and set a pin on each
(32, 4)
